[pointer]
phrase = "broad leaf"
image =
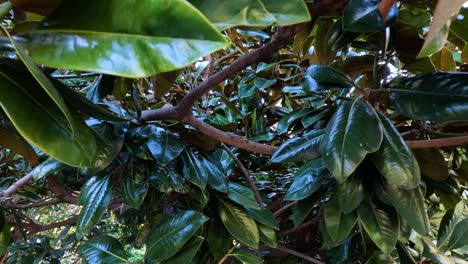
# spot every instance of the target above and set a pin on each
(394, 159)
(364, 16)
(352, 132)
(187, 252)
(443, 60)
(169, 236)
(323, 52)
(13, 141)
(306, 181)
(432, 164)
(432, 96)
(267, 235)
(338, 224)
(165, 146)
(94, 198)
(380, 258)
(263, 216)
(246, 257)
(252, 13)
(303, 208)
(350, 193)
(219, 240)
(6, 238)
(37, 117)
(450, 223)
(135, 182)
(320, 77)
(194, 170)
(216, 177)
(382, 225)
(297, 149)
(46, 168)
(337, 38)
(242, 195)
(132, 46)
(104, 250)
(168, 179)
(239, 224)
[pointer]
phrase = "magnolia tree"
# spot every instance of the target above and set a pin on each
(218, 131)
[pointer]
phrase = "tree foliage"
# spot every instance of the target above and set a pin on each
(250, 131)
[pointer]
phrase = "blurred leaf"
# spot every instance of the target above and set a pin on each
(352, 132)
(242, 195)
(15, 143)
(338, 224)
(36, 6)
(319, 78)
(438, 32)
(432, 96)
(168, 179)
(135, 181)
(165, 146)
(6, 238)
(104, 250)
(187, 252)
(239, 224)
(394, 159)
(432, 163)
(306, 181)
(380, 258)
(246, 257)
(364, 16)
(267, 235)
(417, 18)
(382, 225)
(94, 199)
(46, 168)
(443, 60)
(459, 25)
(170, 235)
(324, 53)
(337, 38)
(133, 46)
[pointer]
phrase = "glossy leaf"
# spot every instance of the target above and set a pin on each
(450, 223)
(439, 29)
(168, 179)
(306, 181)
(169, 236)
(382, 225)
(267, 235)
(303, 208)
(194, 170)
(320, 77)
(94, 199)
(103, 249)
(432, 163)
(216, 177)
(252, 13)
(364, 16)
(338, 224)
(417, 18)
(246, 257)
(394, 159)
(432, 96)
(242, 195)
(187, 252)
(165, 146)
(131, 46)
(352, 132)
(135, 183)
(350, 193)
(241, 226)
(337, 38)
(46, 168)
(36, 117)
(297, 149)
(263, 216)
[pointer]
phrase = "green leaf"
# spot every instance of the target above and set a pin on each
(432, 96)
(131, 46)
(297, 149)
(169, 236)
(267, 235)
(303, 208)
(432, 252)
(165, 146)
(104, 250)
(432, 164)
(94, 198)
(394, 159)
(337, 38)
(10, 139)
(417, 18)
(168, 179)
(380, 258)
(239, 224)
(225, 14)
(449, 224)
(339, 225)
(46, 168)
(6, 238)
(306, 181)
(324, 54)
(219, 240)
(37, 117)
(320, 77)
(242, 195)
(263, 216)
(364, 16)
(350, 193)
(459, 236)
(352, 132)
(382, 225)
(216, 177)
(194, 170)
(443, 60)
(439, 29)
(246, 257)
(135, 181)
(187, 252)
(459, 26)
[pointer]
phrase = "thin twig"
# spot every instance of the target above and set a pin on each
(296, 228)
(298, 254)
(16, 186)
(285, 208)
(245, 173)
(221, 261)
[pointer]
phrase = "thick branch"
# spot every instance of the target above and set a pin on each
(437, 143)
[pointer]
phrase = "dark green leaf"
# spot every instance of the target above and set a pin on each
(219, 240)
(132, 46)
(436, 96)
(169, 236)
(352, 132)
(187, 252)
(94, 198)
(101, 87)
(287, 120)
(37, 117)
(307, 180)
(320, 77)
(216, 177)
(263, 216)
(382, 225)
(339, 225)
(364, 16)
(394, 159)
(449, 223)
(303, 208)
(380, 258)
(297, 149)
(432, 163)
(246, 257)
(239, 224)
(350, 193)
(104, 250)
(194, 170)
(324, 54)
(267, 235)
(165, 146)
(337, 38)
(404, 255)
(168, 178)
(109, 140)
(416, 18)
(242, 195)
(46, 168)
(135, 183)
(459, 236)
(5, 238)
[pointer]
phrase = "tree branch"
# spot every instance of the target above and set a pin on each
(298, 254)
(34, 228)
(16, 186)
(437, 143)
